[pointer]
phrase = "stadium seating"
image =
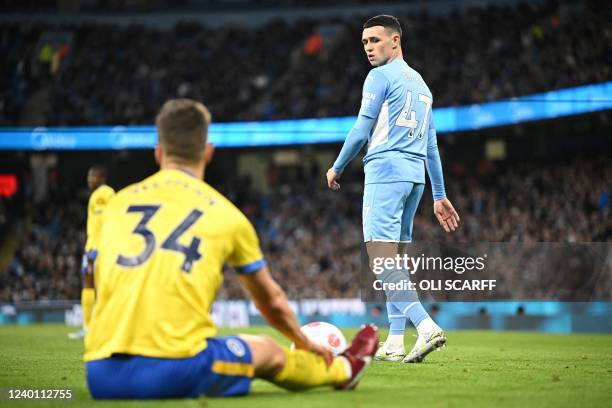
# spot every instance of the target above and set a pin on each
(312, 239)
(105, 75)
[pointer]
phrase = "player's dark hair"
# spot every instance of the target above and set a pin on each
(99, 169)
(389, 22)
(182, 127)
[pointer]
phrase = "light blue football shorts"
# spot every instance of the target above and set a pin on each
(389, 209)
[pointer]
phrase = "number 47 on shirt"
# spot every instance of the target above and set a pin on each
(410, 121)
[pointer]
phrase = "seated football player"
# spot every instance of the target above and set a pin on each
(162, 246)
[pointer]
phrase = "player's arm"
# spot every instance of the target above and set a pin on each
(374, 91)
(271, 301)
(91, 243)
(443, 209)
(267, 295)
(354, 142)
(98, 203)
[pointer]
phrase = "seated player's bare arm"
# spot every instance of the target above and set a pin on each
(272, 302)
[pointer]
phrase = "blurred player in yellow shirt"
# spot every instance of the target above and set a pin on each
(101, 194)
(162, 247)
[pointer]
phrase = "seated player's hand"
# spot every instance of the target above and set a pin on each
(332, 179)
(446, 215)
(318, 349)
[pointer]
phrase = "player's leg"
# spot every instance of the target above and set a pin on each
(430, 335)
(383, 206)
(292, 369)
(226, 367)
(88, 296)
(297, 370)
(411, 306)
(393, 347)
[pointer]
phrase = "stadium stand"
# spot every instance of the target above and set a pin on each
(308, 234)
(46, 265)
(311, 68)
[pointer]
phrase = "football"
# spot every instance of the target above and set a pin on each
(325, 334)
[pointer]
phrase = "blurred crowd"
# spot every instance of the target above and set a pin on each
(480, 55)
(109, 75)
(312, 238)
(529, 202)
(6, 209)
(46, 265)
(17, 80)
(122, 6)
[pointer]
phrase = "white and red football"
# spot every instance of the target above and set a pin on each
(325, 334)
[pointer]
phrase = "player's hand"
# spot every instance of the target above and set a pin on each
(318, 349)
(446, 215)
(332, 179)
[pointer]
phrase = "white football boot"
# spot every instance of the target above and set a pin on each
(425, 344)
(387, 352)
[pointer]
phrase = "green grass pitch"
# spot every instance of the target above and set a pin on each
(478, 368)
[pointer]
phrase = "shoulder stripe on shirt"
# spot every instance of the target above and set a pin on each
(252, 267)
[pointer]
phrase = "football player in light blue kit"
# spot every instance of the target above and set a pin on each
(396, 122)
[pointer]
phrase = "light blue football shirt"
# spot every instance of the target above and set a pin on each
(401, 142)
